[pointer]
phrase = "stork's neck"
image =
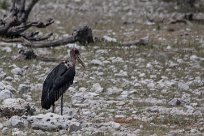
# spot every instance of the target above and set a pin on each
(72, 60)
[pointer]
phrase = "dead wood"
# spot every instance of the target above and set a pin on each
(14, 26)
(15, 23)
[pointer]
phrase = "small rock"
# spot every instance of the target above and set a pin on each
(86, 112)
(149, 65)
(102, 51)
(116, 59)
(106, 62)
(122, 74)
(186, 98)
(114, 90)
(82, 89)
(8, 78)
(97, 62)
(174, 102)
(5, 94)
(168, 47)
(178, 102)
(125, 94)
(121, 103)
(28, 98)
(172, 64)
(6, 49)
(90, 95)
(115, 125)
(142, 74)
(141, 126)
(19, 133)
(109, 39)
(194, 58)
(23, 88)
(17, 71)
(62, 132)
(193, 131)
(176, 111)
(10, 88)
(15, 106)
(2, 86)
(2, 73)
(18, 122)
(100, 73)
(5, 131)
(190, 109)
(57, 22)
(74, 127)
(194, 104)
(183, 86)
(151, 85)
(137, 131)
(97, 88)
(73, 45)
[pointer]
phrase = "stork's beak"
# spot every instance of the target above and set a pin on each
(80, 61)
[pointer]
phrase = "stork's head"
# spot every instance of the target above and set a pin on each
(74, 53)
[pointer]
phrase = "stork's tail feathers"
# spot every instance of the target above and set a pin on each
(46, 104)
(46, 101)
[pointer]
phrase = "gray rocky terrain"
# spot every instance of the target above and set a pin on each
(155, 89)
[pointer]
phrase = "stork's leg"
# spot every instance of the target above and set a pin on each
(62, 104)
(53, 108)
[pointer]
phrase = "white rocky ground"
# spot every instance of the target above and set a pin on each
(156, 89)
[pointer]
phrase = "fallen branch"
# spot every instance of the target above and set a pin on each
(47, 44)
(14, 25)
(179, 21)
(83, 35)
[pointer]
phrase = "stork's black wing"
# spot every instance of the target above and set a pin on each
(56, 83)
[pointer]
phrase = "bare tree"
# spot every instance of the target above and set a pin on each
(14, 26)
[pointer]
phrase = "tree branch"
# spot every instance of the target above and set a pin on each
(35, 37)
(13, 28)
(83, 35)
(29, 9)
(15, 23)
(47, 44)
(39, 24)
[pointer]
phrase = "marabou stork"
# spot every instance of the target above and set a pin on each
(59, 80)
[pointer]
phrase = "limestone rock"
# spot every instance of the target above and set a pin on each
(51, 121)
(5, 94)
(15, 106)
(18, 122)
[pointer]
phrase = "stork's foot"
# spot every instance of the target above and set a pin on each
(62, 104)
(53, 108)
